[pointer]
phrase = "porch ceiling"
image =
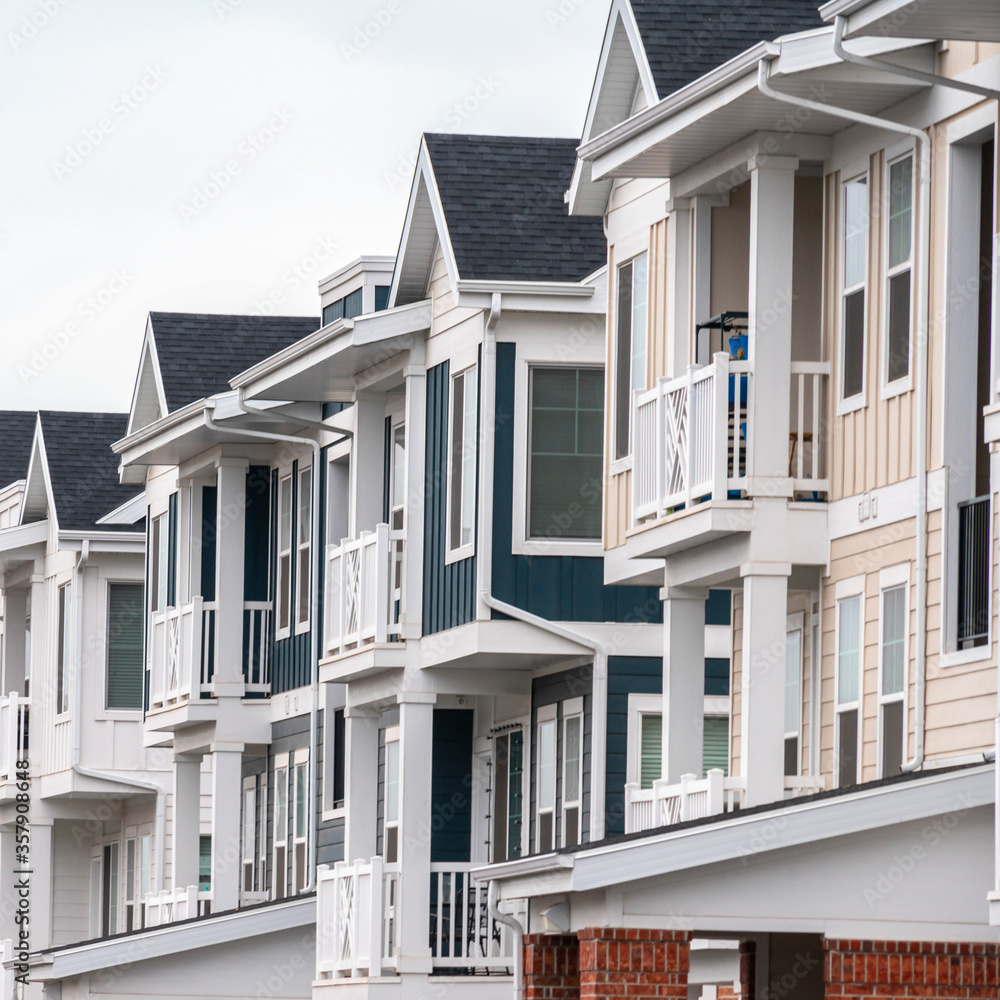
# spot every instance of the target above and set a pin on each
(972, 20)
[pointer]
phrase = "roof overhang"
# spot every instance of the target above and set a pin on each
(955, 20)
(128, 512)
(22, 542)
(726, 107)
(324, 366)
(587, 296)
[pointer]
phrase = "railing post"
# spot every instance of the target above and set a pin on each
(196, 659)
(720, 428)
(686, 781)
(630, 789)
(660, 787)
(382, 577)
(688, 457)
(374, 929)
(716, 795)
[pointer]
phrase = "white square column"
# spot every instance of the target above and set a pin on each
(227, 793)
(360, 778)
(762, 682)
(772, 209)
(683, 681)
(230, 532)
(186, 827)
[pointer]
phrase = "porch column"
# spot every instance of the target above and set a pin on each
(683, 681)
(227, 793)
(232, 484)
(772, 200)
(360, 781)
(416, 731)
(367, 470)
(41, 883)
(701, 263)
(413, 556)
(678, 267)
(186, 820)
(762, 682)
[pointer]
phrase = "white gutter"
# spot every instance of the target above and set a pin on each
(78, 768)
(518, 931)
(920, 386)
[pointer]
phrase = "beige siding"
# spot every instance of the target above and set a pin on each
(444, 310)
(731, 253)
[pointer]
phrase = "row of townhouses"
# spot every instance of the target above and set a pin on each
(598, 599)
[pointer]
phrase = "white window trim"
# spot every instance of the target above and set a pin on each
(624, 462)
(572, 708)
(102, 712)
(846, 589)
(392, 736)
(887, 389)
(796, 623)
(250, 784)
(889, 579)
(300, 759)
(850, 404)
(520, 543)
(281, 762)
(638, 706)
(298, 546)
(284, 475)
(69, 648)
(466, 551)
(329, 759)
(546, 714)
(523, 723)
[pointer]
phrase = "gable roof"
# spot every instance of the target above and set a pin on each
(17, 428)
(685, 39)
(198, 353)
(82, 468)
(502, 198)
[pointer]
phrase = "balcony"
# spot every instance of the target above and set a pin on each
(694, 439)
(170, 905)
(358, 911)
(364, 591)
(183, 650)
(13, 734)
(692, 798)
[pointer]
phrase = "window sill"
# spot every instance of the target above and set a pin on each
(964, 657)
(457, 555)
(622, 465)
(890, 390)
(328, 815)
(558, 547)
(851, 405)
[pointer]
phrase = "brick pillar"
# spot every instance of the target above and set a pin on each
(898, 970)
(551, 967)
(620, 962)
(744, 988)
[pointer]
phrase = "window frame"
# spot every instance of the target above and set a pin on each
(332, 761)
(464, 550)
(638, 706)
(572, 710)
(850, 589)
(391, 740)
(623, 462)
(279, 874)
(893, 156)
(303, 502)
(283, 579)
(105, 711)
(299, 801)
(64, 649)
(507, 730)
(546, 716)
(848, 404)
(795, 625)
(893, 578)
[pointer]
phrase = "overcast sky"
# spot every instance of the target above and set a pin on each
(207, 155)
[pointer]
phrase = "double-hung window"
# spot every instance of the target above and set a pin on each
(462, 464)
(566, 453)
(546, 779)
(304, 533)
(572, 771)
(250, 837)
(334, 754)
(284, 581)
(280, 878)
(853, 291)
(850, 634)
(109, 889)
(390, 829)
(300, 818)
(899, 266)
(508, 794)
(124, 679)
(793, 699)
(64, 644)
(630, 346)
(893, 616)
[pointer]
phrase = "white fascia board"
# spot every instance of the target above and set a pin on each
(534, 296)
(23, 535)
(293, 352)
(103, 541)
(126, 513)
(398, 322)
(135, 447)
(808, 822)
(370, 263)
(39, 466)
(148, 347)
(175, 939)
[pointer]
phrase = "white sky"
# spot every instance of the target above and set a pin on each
(89, 245)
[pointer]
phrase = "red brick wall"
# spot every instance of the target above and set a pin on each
(903, 969)
(618, 962)
(551, 967)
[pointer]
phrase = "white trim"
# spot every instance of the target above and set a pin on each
(300, 626)
(126, 513)
(849, 404)
(893, 155)
(572, 708)
(468, 549)
(612, 417)
(638, 706)
(284, 631)
(546, 716)
(546, 713)
(850, 589)
(893, 578)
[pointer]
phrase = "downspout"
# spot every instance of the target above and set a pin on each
(313, 630)
(920, 389)
(487, 453)
(77, 767)
(517, 930)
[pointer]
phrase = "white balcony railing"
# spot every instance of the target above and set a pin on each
(358, 906)
(693, 436)
(13, 733)
(257, 646)
(804, 784)
(170, 905)
(692, 798)
(364, 590)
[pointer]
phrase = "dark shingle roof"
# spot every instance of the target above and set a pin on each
(503, 201)
(199, 353)
(17, 429)
(685, 39)
(83, 469)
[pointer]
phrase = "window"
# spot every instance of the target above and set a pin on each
(334, 758)
(855, 265)
(849, 632)
(124, 685)
(300, 818)
(892, 683)
(204, 864)
(899, 258)
(391, 828)
(572, 771)
(109, 890)
(65, 620)
(462, 465)
(793, 699)
(304, 540)
(545, 835)
(249, 853)
(650, 748)
(145, 857)
(715, 744)
(281, 826)
(397, 500)
(566, 453)
(284, 582)
(159, 556)
(508, 794)
(630, 346)
(133, 907)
